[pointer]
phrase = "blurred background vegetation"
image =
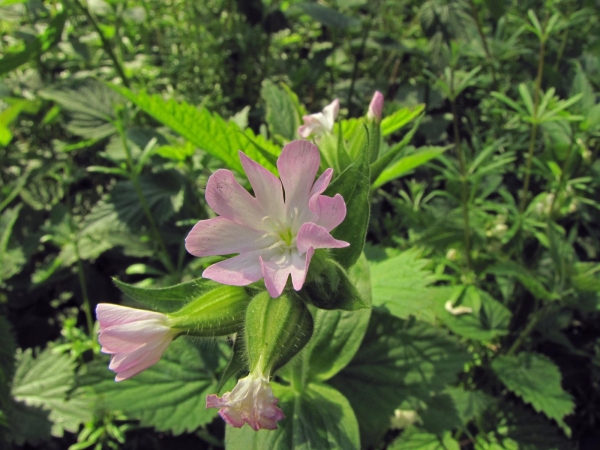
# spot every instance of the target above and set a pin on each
(95, 184)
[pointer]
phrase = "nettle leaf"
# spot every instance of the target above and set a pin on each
(401, 286)
(12, 257)
(45, 382)
(537, 380)
(469, 404)
(327, 16)
(337, 334)
(281, 112)
(208, 131)
(527, 279)
(168, 299)
(415, 438)
(27, 424)
(319, 418)
(488, 320)
(397, 361)
(354, 186)
(400, 118)
(169, 396)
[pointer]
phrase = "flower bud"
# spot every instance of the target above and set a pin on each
(217, 313)
(376, 107)
(276, 330)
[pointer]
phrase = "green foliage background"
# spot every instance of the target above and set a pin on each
(478, 204)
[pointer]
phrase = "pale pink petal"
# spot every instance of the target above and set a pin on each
(321, 183)
(330, 211)
(330, 113)
(222, 236)
(276, 271)
(251, 401)
(109, 314)
(376, 106)
(313, 124)
(300, 265)
(298, 165)
(228, 199)
(145, 361)
(128, 337)
(266, 186)
(312, 235)
(240, 270)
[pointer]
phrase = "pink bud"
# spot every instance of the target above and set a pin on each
(251, 401)
(376, 106)
(135, 339)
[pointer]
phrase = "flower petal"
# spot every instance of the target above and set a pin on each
(298, 165)
(229, 199)
(376, 106)
(222, 236)
(300, 265)
(312, 235)
(330, 113)
(275, 271)
(321, 183)
(330, 211)
(240, 270)
(125, 338)
(266, 186)
(129, 364)
(109, 315)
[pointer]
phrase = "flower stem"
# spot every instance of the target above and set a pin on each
(133, 175)
(534, 126)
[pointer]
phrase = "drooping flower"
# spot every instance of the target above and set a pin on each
(135, 339)
(376, 106)
(275, 237)
(320, 123)
(251, 401)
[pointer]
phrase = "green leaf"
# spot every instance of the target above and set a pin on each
(380, 165)
(319, 418)
(168, 299)
(400, 118)
(417, 439)
(354, 186)
(488, 320)
(401, 286)
(12, 258)
(527, 279)
(208, 131)
(397, 361)
(338, 334)
(281, 112)
(327, 16)
(34, 48)
(537, 380)
(45, 382)
(408, 163)
(469, 404)
(8, 347)
(169, 396)
(27, 424)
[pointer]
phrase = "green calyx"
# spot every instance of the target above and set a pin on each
(217, 313)
(276, 330)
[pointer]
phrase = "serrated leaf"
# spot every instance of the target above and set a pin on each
(170, 395)
(416, 439)
(45, 382)
(527, 279)
(12, 258)
(469, 404)
(354, 186)
(400, 118)
(27, 424)
(397, 361)
(281, 113)
(488, 320)
(319, 418)
(208, 131)
(168, 299)
(327, 16)
(401, 286)
(537, 380)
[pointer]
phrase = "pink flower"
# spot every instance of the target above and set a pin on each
(376, 106)
(320, 123)
(135, 339)
(251, 401)
(275, 238)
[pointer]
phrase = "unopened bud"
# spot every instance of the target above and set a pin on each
(276, 330)
(217, 313)
(376, 106)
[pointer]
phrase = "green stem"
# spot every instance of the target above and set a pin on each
(357, 59)
(105, 43)
(486, 48)
(133, 175)
(464, 185)
(527, 331)
(534, 127)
